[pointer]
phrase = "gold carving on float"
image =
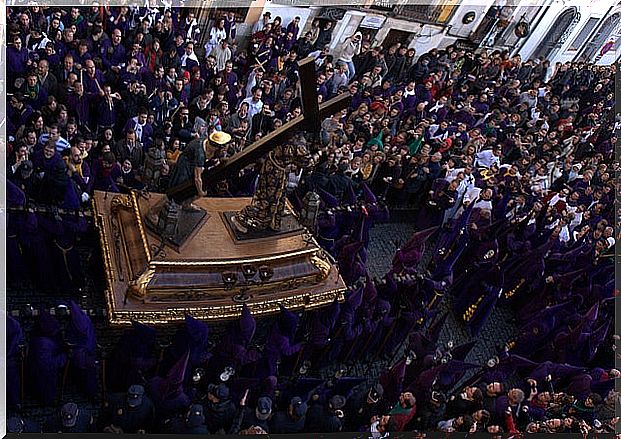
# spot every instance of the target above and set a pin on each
(229, 262)
(319, 261)
(119, 317)
(307, 280)
(143, 234)
(138, 287)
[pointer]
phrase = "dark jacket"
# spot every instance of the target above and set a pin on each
(219, 415)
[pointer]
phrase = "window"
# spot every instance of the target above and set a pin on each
(581, 38)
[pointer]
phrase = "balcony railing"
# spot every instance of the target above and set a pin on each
(439, 14)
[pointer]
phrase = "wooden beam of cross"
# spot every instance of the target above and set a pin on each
(310, 120)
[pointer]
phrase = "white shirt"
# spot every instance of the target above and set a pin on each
(255, 107)
(486, 158)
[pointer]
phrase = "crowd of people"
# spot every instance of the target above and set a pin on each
(507, 164)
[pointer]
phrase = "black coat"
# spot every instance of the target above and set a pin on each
(219, 415)
(282, 423)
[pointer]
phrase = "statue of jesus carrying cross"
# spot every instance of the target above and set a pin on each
(282, 147)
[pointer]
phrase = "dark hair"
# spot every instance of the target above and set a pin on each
(477, 395)
(485, 417)
(108, 157)
(467, 424)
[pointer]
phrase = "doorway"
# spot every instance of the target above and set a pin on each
(557, 34)
(397, 36)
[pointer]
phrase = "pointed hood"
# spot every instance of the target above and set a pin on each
(452, 372)
(287, 321)
(171, 386)
(329, 200)
(79, 320)
(392, 380)
(197, 330)
(592, 314)
(555, 309)
(14, 195)
(369, 196)
(47, 325)
(329, 315)
(464, 219)
(382, 307)
(247, 325)
(418, 239)
(410, 254)
(354, 298)
(143, 332)
(81, 331)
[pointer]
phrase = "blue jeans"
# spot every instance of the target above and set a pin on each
(351, 70)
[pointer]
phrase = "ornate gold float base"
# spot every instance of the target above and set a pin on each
(213, 273)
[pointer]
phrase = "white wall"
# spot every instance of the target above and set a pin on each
(461, 30)
(585, 8)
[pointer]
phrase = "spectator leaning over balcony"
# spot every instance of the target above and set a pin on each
(350, 48)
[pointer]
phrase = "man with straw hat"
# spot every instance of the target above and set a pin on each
(192, 161)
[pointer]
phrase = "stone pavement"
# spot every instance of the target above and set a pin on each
(384, 240)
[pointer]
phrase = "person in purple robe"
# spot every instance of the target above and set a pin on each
(81, 338)
(348, 327)
(443, 196)
(539, 329)
(320, 328)
(280, 343)
(106, 173)
(234, 349)
(50, 171)
(351, 263)
(377, 329)
(14, 360)
(573, 344)
(294, 27)
(17, 60)
(133, 358)
(46, 359)
(193, 336)
(167, 392)
(113, 52)
(478, 296)
(409, 255)
(521, 274)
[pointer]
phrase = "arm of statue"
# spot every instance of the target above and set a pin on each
(198, 181)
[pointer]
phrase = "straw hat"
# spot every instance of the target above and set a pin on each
(220, 137)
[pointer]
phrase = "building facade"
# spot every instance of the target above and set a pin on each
(559, 30)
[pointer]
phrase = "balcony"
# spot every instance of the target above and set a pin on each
(428, 14)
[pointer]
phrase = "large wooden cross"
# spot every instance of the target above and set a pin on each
(310, 120)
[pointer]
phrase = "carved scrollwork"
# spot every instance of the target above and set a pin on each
(120, 201)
